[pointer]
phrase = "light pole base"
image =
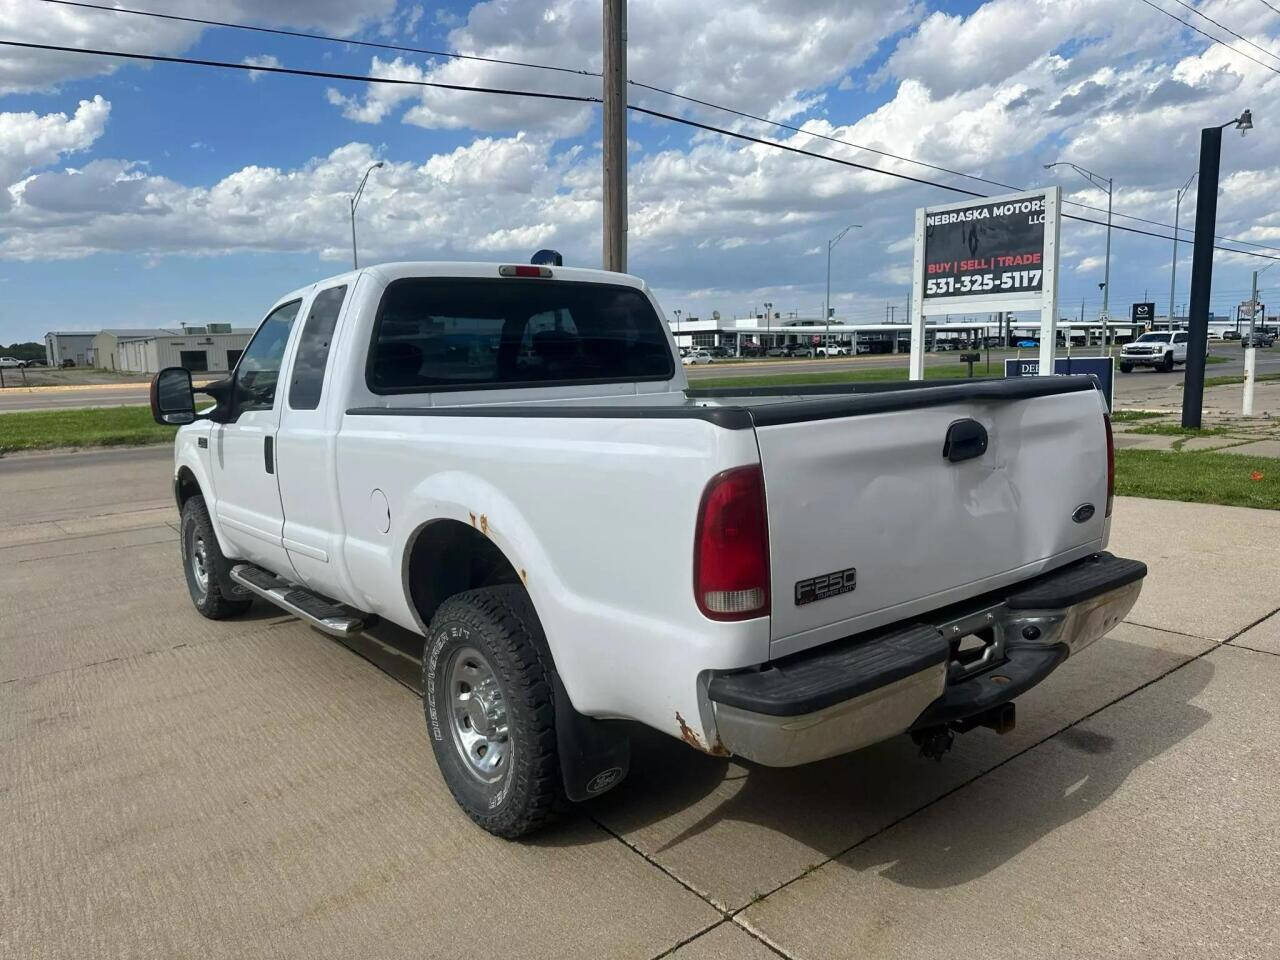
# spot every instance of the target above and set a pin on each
(1250, 371)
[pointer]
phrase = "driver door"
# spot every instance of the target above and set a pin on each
(248, 506)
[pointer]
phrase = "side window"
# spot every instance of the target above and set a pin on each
(313, 349)
(259, 367)
(1180, 338)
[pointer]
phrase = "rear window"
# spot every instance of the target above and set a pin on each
(474, 334)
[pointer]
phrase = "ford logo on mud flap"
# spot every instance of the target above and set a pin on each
(1083, 513)
(604, 780)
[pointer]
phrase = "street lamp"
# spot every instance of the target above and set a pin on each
(1202, 266)
(826, 304)
(1098, 181)
(355, 200)
(1173, 271)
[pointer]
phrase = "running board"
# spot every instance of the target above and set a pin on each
(325, 615)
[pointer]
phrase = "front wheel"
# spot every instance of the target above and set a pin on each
(490, 710)
(1167, 365)
(1126, 368)
(207, 570)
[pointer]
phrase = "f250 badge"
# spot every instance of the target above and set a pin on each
(827, 585)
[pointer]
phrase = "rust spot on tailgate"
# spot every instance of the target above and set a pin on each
(524, 576)
(484, 524)
(688, 736)
(473, 519)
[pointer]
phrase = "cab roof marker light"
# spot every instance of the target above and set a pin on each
(521, 270)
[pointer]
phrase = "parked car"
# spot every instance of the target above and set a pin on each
(720, 353)
(697, 356)
(67, 363)
(832, 350)
(1161, 350)
(789, 350)
(12, 362)
(1261, 338)
(36, 363)
(1027, 344)
(356, 466)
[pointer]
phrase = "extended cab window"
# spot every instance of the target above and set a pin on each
(1180, 338)
(313, 348)
(443, 334)
(259, 368)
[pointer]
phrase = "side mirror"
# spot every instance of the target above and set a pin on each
(172, 397)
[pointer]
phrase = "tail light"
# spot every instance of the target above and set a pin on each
(1111, 464)
(731, 547)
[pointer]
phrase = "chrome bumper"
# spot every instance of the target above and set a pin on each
(1026, 644)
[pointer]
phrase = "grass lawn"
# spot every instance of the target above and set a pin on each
(1124, 416)
(1204, 477)
(102, 427)
(1227, 381)
(1175, 430)
(942, 371)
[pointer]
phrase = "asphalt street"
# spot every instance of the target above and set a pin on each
(1139, 383)
(175, 787)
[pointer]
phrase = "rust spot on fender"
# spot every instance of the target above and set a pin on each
(688, 736)
(473, 519)
(484, 524)
(524, 576)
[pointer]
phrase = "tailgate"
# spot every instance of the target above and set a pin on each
(861, 484)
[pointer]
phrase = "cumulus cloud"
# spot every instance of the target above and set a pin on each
(29, 141)
(22, 70)
(263, 60)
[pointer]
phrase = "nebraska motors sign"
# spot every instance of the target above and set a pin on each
(984, 249)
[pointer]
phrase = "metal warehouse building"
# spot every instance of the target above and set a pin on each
(197, 350)
(73, 345)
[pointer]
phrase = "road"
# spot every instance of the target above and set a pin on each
(1129, 388)
(180, 787)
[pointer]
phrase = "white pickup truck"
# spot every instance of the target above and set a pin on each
(506, 460)
(1161, 350)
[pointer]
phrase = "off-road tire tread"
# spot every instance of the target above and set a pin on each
(512, 622)
(216, 605)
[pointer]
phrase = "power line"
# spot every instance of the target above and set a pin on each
(902, 176)
(1185, 23)
(1269, 6)
(293, 71)
(656, 89)
(316, 36)
(1223, 26)
(922, 163)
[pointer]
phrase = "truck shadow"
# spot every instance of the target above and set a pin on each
(840, 807)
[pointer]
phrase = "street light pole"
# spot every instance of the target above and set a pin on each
(1251, 353)
(355, 201)
(1173, 270)
(1202, 267)
(1097, 180)
(826, 304)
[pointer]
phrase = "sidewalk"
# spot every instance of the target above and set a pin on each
(1257, 436)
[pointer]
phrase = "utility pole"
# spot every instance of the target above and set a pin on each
(826, 304)
(615, 135)
(1202, 267)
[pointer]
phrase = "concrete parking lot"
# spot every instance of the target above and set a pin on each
(175, 787)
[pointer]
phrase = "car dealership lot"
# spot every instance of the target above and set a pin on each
(179, 787)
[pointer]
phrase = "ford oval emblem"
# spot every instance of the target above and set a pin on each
(1083, 513)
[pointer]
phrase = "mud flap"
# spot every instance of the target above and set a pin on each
(595, 755)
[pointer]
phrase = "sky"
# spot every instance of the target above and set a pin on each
(157, 194)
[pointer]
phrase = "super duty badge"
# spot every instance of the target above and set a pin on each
(827, 585)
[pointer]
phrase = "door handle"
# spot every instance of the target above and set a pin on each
(268, 454)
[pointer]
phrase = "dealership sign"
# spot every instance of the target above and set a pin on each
(1102, 369)
(1143, 313)
(990, 255)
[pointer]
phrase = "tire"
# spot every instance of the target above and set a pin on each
(1126, 368)
(1167, 364)
(505, 773)
(205, 567)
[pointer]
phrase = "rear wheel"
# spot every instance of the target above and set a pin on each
(490, 711)
(205, 566)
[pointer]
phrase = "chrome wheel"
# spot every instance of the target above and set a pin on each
(478, 715)
(200, 563)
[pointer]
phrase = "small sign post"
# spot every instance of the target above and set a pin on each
(1102, 368)
(990, 255)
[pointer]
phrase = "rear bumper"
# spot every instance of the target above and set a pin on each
(858, 691)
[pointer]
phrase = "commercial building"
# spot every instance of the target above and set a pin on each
(104, 352)
(73, 345)
(197, 349)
